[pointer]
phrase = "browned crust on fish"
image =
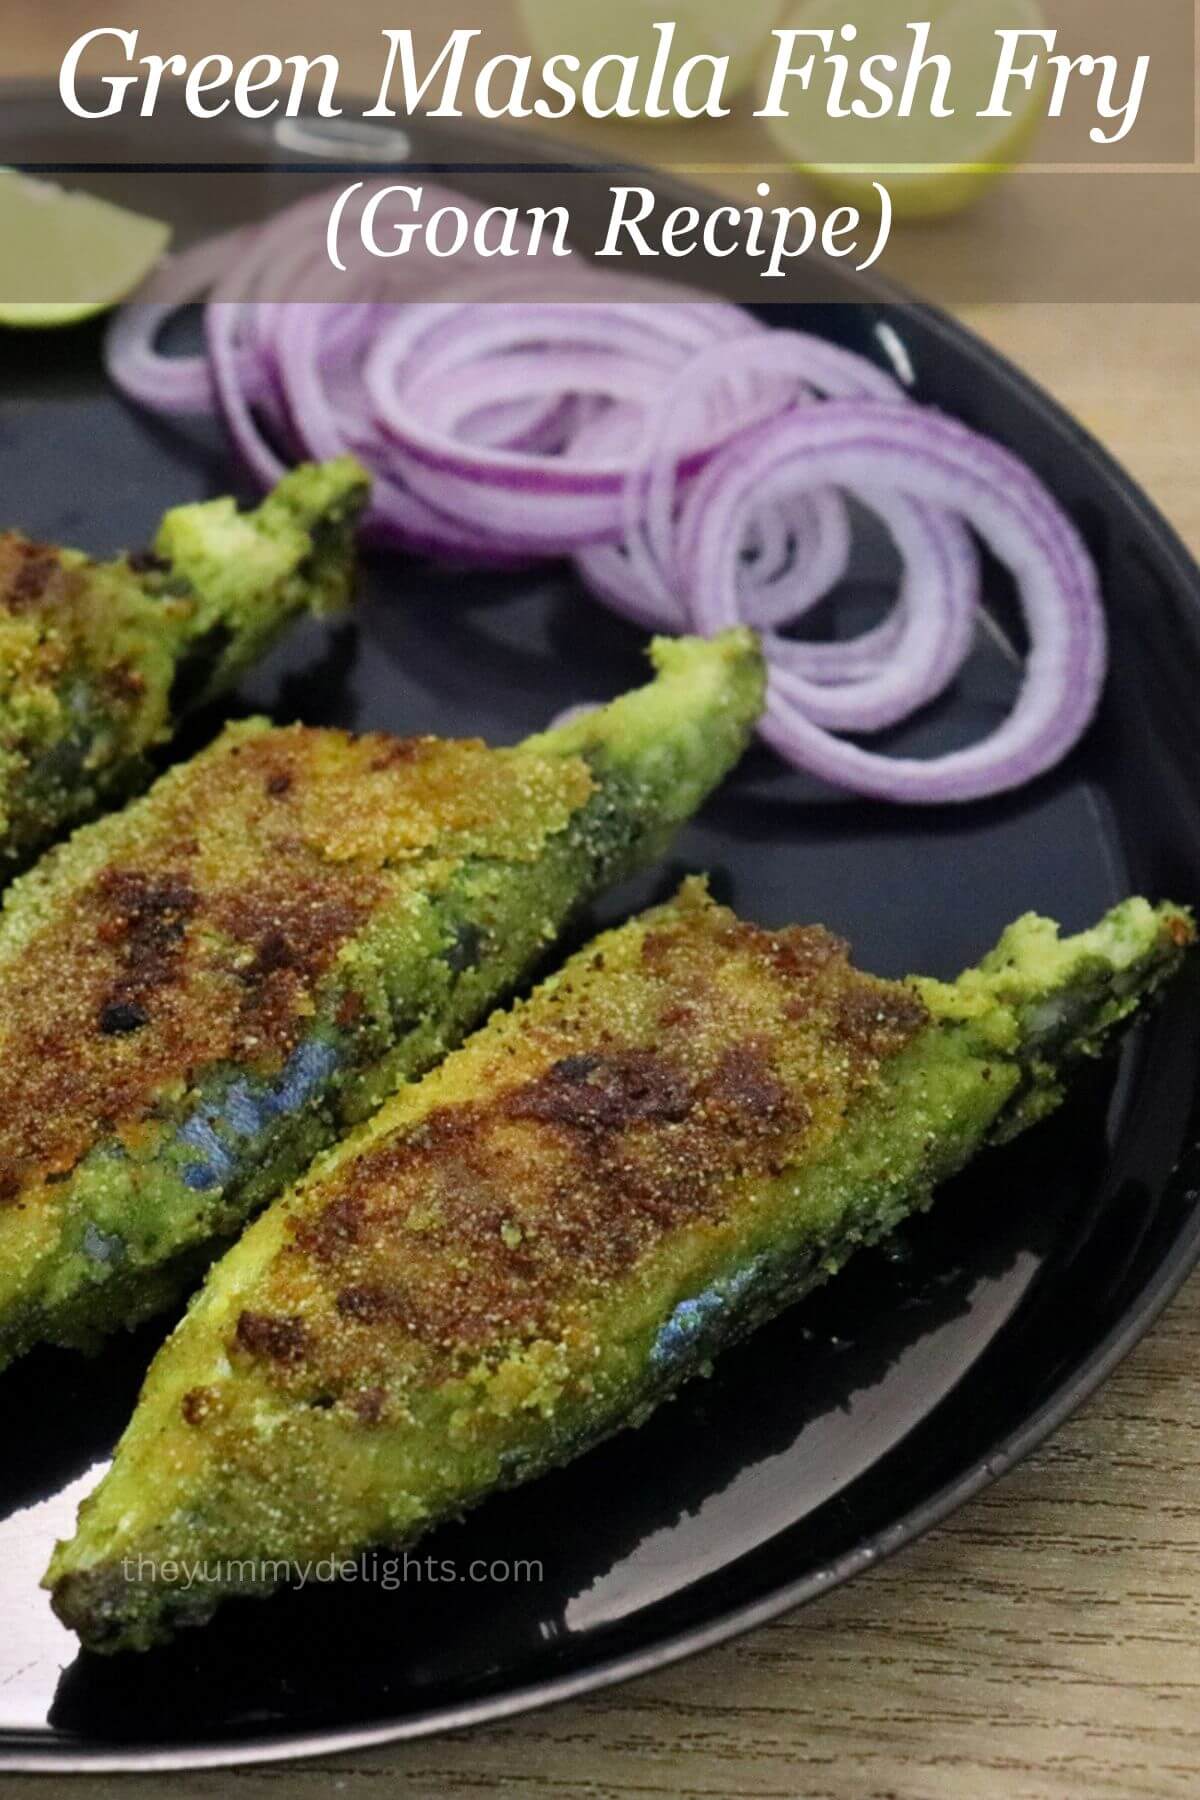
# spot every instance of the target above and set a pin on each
(616, 1108)
(228, 896)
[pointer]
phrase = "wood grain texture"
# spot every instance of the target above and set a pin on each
(1045, 1643)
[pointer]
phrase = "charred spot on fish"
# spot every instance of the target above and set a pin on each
(657, 947)
(745, 1085)
(37, 565)
(146, 918)
(279, 1337)
(798, 953)
(301, 928)
(151, 907)
(285, 942)
(120, 1017)
(395, 751)
(273, 953)
(279, 783)
(880, 1018)
(336, 1228)
(10, 1187)
(123, 685)
(605, 1092)
(198, 1404)
(366, 1303)
(351, 1008)
(443, 1130)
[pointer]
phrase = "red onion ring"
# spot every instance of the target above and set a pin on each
(935, 461)
(925, 643)
(420, 390)
(695, 465)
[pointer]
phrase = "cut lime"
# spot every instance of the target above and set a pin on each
(931, 166)
(590, 31)
(68, 255)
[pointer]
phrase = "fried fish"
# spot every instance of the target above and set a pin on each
(200, 992)
(99, 660)
(675, 1137)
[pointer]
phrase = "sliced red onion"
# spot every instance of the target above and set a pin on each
(696, 465)
(423, 386)
(397, 515)
(171, 384)
(795, 365)
(925, 640)
(886, 673)
(933, 460)
(799, 550)
(796, 553)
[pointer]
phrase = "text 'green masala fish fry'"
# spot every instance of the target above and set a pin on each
(673, 1138)
(98, 661)
(199, 993)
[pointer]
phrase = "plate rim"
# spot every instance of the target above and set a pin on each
(25, 1752)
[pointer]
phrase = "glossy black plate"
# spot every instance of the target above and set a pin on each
(865, 1415)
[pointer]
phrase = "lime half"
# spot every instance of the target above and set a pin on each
(931, 166)
(68, 255)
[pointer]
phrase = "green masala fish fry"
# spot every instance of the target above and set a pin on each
(671, 1140)
(200, 992)
(99, 660)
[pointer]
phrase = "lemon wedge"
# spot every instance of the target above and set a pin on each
(931, 166)
(68, 255)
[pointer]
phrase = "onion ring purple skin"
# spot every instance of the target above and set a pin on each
(169, 384)
(608, 573)
(803, 544)
(940, 463)
(285, 258)
(887, 673)
(567, 502)
(795, 364)
(814, 531)
(396, 518)
(436, 336)
(801, 549)
(221, 323)
(307, 385)
(940, 627)
(164, 384)
(644, 586)
(246, 372)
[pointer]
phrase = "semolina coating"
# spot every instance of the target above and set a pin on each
(672, 1139)
(98, 661)
(201, 992)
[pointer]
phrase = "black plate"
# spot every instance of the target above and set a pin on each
(862, 1417)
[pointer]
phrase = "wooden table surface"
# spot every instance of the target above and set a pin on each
(1045, 1642)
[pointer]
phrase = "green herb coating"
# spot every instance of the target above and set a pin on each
(98, 661)
(199, 993)
(677, 1135)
